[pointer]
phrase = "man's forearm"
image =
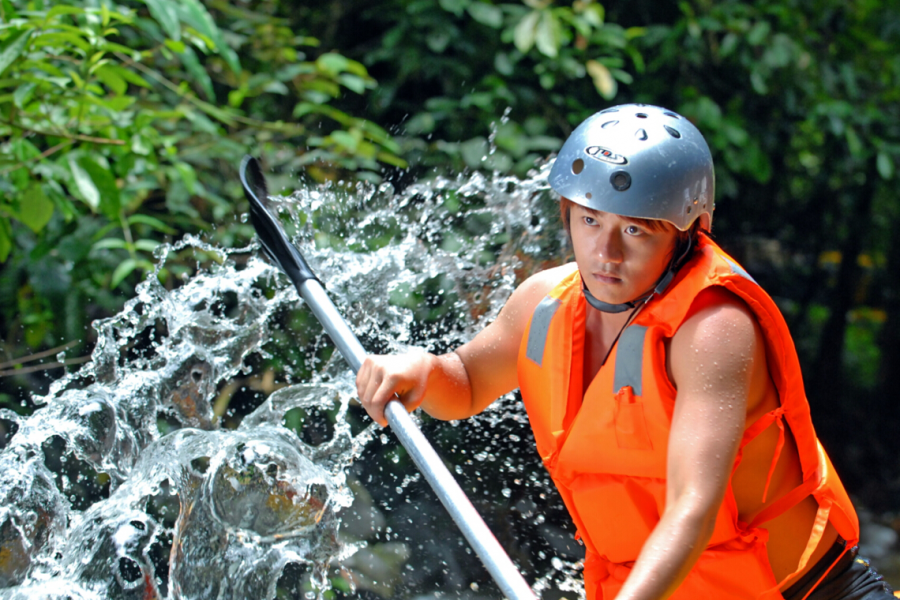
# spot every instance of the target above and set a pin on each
(669, 553)
(449, 395)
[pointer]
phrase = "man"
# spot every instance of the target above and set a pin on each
(661, 383)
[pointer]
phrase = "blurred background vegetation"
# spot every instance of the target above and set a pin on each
(122, 122)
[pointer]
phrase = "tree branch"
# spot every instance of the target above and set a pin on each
(39, 355)
(41, 156)
(45, 366)
(68, 136)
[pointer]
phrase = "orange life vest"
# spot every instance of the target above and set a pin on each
(606, 449)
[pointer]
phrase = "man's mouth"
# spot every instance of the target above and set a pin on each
(607, 278)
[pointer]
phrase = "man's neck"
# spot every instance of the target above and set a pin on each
(600, 332)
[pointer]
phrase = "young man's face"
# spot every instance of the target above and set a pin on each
(619, 259)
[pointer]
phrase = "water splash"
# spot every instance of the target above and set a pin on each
(126, 484)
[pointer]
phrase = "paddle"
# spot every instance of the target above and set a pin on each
(277, 246)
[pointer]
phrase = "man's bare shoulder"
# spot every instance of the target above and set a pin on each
(539, 285)
(547, 279)
(721, 340)
(530, 292)
(718, 318)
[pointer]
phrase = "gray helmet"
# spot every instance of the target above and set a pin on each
(639, 161)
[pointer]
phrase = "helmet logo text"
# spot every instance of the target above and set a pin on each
(606, 155)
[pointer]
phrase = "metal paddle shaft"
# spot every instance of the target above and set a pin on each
(289, 259)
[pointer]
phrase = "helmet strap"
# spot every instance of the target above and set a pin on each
(606, 306)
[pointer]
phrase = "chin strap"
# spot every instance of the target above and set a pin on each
(658, 289)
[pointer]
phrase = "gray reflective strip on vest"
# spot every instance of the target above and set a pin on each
(737, 270)
(540, 326)
(630, 359)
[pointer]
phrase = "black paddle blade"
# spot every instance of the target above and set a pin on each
(274, 241)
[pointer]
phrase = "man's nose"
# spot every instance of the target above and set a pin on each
(609, 246)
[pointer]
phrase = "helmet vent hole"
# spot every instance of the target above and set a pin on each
(608, 110)
(588, 195)
(577, 166)
(688, 210)
(640, 134)
(672, 131)
(641, 115)
(609, 124)
(671, 114)
(620, 180)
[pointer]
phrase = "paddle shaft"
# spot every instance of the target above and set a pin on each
(489, 550)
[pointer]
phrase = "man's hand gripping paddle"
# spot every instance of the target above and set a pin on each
(288, 258)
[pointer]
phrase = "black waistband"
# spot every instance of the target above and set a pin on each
(801, 587)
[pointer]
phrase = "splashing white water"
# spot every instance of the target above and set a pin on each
(197, 510)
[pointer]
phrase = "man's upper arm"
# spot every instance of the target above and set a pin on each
(491, 357)
(711, 358)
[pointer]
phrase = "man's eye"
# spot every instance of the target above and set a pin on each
(589, 220)
(632, 230)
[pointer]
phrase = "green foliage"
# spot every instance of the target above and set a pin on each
(115, 133)
(799, 103)
(494, 86)
(121, 124)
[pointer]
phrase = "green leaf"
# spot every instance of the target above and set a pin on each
(5, 238)
(35, 209)
(525, 31)
(854, 143)
(129, 76)
(146, 245)
(729, 44)
(201, 77)
(62, 39)
(23, 94)
(594, 14)
(195, 14)
(392, 159)
(111, 79)
(109, 202)
(188, 176)
(332, 63)
(175, 46)
(116, 104)
(474, 151)
(108, 46)
(623, 76)
(759, 33)
(345, 139)
(110, 243)
(166, 15)
(12, 48)
(503, 64)
(9, 11)
(885, 165)
(63, 9)
(122, 271)
(547, 36)
(85, 184)
(635, 32)
(454, 6)
(353, 82)
(486, 14)
(151, 222)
